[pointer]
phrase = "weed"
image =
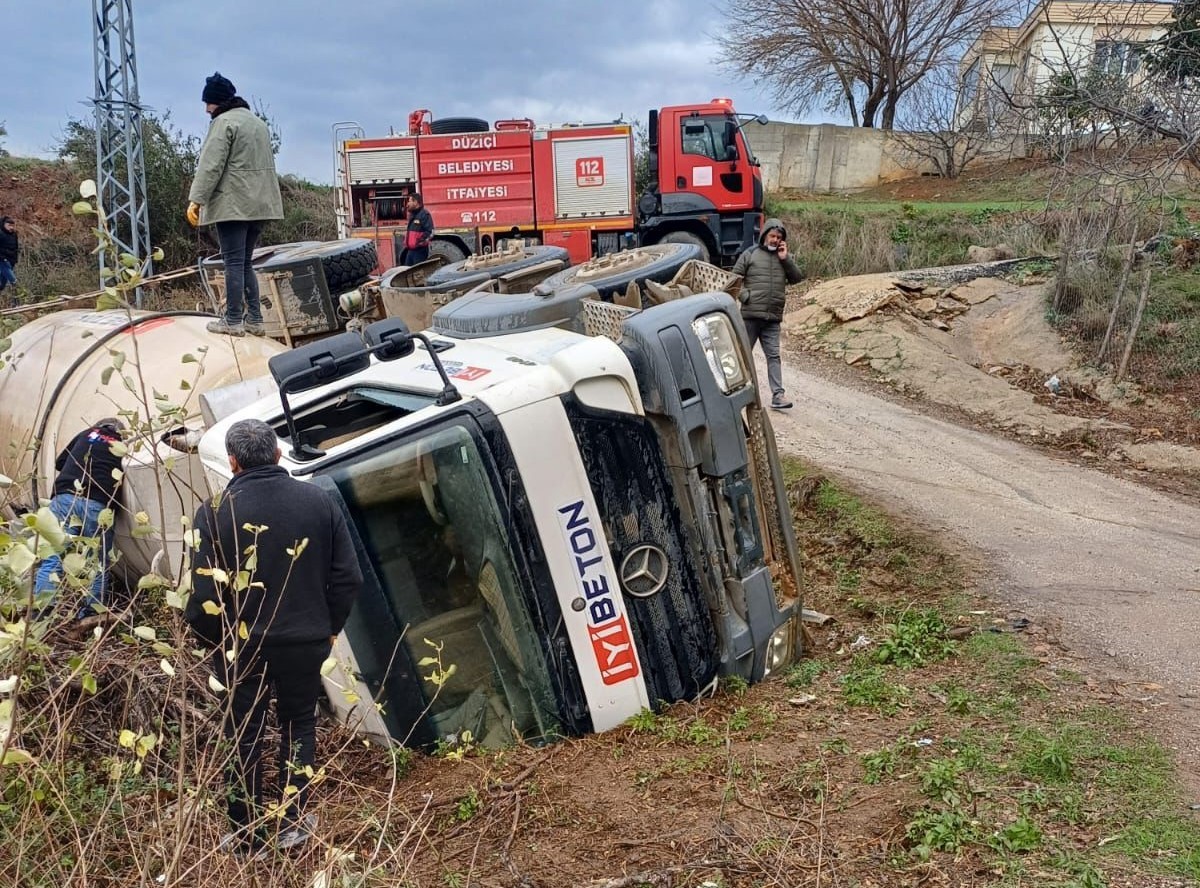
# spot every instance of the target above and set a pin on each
(803, 674)
(941, 779)
(918, 636)
(853, 517)
(1020, 836)
(740, 719)
(1045, 758)
(879, 764)
(645, 722)
(836, 745)
(402, 759)
(868, 686)
(945, 830)
(960, 700)
(808, 780)
(468, 806)
(735, 685)
(1083, 874)
(700, 733)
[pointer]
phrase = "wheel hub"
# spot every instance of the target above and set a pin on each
(615, 263)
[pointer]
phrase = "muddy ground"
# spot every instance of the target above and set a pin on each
(981, 353)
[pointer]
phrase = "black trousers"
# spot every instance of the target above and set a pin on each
(291, 674)
(238, 240)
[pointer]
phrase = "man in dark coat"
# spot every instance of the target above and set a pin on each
(274, 576)
(419, 233)
(10, 250)
(86, 485)
(766, 271)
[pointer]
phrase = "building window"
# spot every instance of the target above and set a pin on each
(969, 87)
(1119, 58)
(1003, 77)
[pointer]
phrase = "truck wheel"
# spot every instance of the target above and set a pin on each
(687, 237)
(448, 250)
(346, 263)
(614, 272)
(446, 126)
(497, 264)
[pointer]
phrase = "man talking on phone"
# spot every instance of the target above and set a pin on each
(766, 271)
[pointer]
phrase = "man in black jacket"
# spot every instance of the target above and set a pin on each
(10, 250)
(85, 488)
(274, 577)
(419, 232)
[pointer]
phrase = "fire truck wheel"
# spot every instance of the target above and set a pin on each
(448, 250)
(346, 263)
(687, 237)
(449, 125)
(612, 273)
(481, 264)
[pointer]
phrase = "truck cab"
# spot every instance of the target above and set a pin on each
(706, 182)
(557, 529)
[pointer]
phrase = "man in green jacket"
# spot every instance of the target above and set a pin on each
(766, 271)
(236, 189)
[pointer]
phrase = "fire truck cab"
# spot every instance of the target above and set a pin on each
(570, 185)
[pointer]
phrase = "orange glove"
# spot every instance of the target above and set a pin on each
(193, 214)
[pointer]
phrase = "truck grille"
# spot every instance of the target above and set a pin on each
(673, 629)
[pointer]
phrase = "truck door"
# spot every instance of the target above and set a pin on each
(710, 159)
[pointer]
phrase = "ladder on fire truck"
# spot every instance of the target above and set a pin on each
(343, 130)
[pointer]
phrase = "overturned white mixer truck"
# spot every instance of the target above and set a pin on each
(573, 509)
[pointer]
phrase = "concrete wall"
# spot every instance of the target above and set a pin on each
(829, 158)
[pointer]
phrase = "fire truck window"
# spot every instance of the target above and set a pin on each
(699, 138)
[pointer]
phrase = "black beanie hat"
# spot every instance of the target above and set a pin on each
(218, 89)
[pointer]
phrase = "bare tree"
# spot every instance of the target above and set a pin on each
(860, 56)
(1121, 89)
(933, 130)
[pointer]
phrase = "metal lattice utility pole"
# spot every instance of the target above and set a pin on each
(120, 160)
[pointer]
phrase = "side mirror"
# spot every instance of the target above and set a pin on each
(389, 339)
(761, 120)
(319, 362)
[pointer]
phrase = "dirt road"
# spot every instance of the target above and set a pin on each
(1118, 564)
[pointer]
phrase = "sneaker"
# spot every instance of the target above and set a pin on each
(779, 402)
(223, 326)
(255, 328)
(243, 845)
(297, 834)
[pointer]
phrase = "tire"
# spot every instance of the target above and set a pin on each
(446, 126)
(687, 237)
(346, 263)
(472, 266)
(612, 273)
(261, 255)
(448, 250)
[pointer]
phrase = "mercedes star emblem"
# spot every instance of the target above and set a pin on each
(644, 570)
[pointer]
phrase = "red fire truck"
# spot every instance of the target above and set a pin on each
(570, 185)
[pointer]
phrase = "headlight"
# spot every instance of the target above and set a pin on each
(780, 649)
(720, 345)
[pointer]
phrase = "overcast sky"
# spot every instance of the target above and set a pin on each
(311, 63)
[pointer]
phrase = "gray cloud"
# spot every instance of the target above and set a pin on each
(314, 62)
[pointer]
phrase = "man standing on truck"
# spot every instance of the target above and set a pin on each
(419, 233)
(766, 270)
(274, 577)
(236, 189)
(87, 484)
